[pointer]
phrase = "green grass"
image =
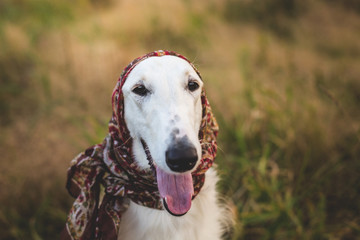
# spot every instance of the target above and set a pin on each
(286, 101)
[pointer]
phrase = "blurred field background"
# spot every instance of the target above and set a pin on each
(283, 77)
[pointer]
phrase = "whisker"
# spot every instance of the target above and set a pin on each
(118, 147)
(221, 150)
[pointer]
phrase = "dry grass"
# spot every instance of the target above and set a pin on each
(286, 95)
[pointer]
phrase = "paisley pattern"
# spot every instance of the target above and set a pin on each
(105, 177)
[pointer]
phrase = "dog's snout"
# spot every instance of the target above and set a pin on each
(181, 157)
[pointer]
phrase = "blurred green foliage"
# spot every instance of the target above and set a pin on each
(35, 16)
(18, 60)
(351, 5)
(15, 75)
(274, 15)
(288, 156)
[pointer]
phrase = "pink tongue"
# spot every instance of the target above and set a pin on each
(177, 190)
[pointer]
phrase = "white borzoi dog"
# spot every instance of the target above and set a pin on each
(163, 107)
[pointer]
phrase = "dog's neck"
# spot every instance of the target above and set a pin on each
(139, 154)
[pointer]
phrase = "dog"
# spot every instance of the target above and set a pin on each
(164, 97)
(163, 108)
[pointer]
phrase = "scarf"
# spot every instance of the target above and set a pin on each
(105, 177)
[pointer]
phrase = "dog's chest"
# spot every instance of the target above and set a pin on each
(140, 222)
(201, 222)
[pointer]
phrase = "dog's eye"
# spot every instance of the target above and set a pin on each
(140, 90)
(192, 86)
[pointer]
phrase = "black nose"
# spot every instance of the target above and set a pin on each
(181, 157)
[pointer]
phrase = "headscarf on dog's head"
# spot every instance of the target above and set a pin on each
(111, 165)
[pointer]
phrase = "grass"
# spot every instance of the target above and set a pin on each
(282, 79)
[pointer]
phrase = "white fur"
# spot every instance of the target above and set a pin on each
(169, 105)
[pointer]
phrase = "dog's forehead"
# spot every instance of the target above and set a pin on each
(164, 66)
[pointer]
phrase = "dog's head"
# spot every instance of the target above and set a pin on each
(165, 108)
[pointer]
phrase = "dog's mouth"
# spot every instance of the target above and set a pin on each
(176, 191)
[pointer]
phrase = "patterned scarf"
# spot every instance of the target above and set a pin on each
(105, 177)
